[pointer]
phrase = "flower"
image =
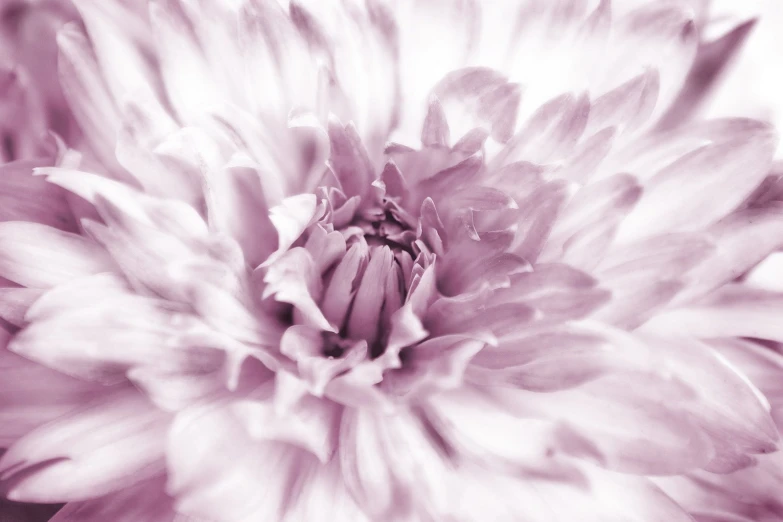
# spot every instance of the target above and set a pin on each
(414, 261)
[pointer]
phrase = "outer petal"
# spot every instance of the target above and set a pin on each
(260, 484)
(732, 311)
(39, 256)
(679, 198)
(113, 442)
(24, 197)
(32, 395)
(146, 501)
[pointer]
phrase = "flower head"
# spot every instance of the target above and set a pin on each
(409, 261)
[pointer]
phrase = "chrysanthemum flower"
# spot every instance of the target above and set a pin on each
(417, 261)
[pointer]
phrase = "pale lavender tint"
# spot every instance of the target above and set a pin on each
(370, 261)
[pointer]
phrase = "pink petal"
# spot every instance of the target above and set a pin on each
(658, 36)
(551, 132)
(636, 297)
(732, 311)
(325, 492)
(146, 501)
(259, 485)
(325, 247)
(627, 106)
(26, 404)
(341, 290)
(665, 256)
(676, 198)
(712, 59)
(93, 106)
(237, 207)
(145, 127)
(742, 240)
(290, 218)
(435, 131)
(294, 279)
(22, 118)
(549, 361)
(482, 429)
(311, 424)
(366, 312)
(14, 303)
(24, 197)
(181, 61)
(349, 159)
(588, 222)
(537, 218)
(39, 256)
(381, 455)
(118, 32)
(100, 341)
(87, 453)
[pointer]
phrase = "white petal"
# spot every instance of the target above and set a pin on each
(110, 444)
(259, 483)
(38, 256)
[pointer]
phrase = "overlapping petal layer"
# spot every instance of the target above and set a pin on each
(391, 261)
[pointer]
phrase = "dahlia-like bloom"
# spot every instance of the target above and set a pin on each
(406, 261)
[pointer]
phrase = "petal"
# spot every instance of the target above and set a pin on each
(325, 492)
(262, 481)
(742, 240)
(627, 106)
(732, 311)
(237, 207)
(435, 130)
(38, 256)
(635, 297)
(743, 496)
(311, 424)
(84, 87)
(365, 315)
(658, 36)
(482, 429)
(294, 279)
(24, 197)
(712, 59)
(146, 501)
(676, 198)
(341, 290)
(537, 218)
(531, 362)
(119, 33)
(14, 303)
(762, 366)
(142, 140)
(448, 29)
(588, 495)
(478, 97)
(349, 159)
(551, 132)
(588, 222)
(27, 404)
(666, 256)
(101, 339)
(381, 455)
(718, 423)
(87, 453)
(185, 72)
(290, 218)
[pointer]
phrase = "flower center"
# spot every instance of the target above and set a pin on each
(388, 224)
